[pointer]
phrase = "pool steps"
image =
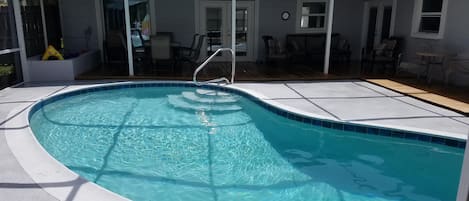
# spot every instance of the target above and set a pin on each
(206, 100)
(211, 93)
(192, 96)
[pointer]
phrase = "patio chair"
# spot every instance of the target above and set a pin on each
(296, 51)
(458, 65)
(186, 51)
(414, 66)
(192, 55)
(273, 50)
(385, 55)
(340, 50)
(138, 46)
(161, 49)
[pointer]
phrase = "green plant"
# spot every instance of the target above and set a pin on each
(6, 70)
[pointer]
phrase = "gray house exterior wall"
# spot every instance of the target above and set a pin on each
(178, 17)
(347, 20)
(270, 22)
(348, 16)
(456, 37)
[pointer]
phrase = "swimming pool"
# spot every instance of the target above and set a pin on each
(179, 142)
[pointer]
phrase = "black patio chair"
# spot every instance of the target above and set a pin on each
(192, 55)
(186, 51)
(385, 55)
(273, 52)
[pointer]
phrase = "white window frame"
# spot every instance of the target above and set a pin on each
(418, 14)
(299, 15)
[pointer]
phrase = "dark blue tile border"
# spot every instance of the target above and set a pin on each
(343, 126)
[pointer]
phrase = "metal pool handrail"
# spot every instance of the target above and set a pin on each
(233, 67)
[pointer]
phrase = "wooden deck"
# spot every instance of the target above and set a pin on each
(450, 97)
(244, 72)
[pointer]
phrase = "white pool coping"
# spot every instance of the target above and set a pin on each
(63, 184)
(429, 131)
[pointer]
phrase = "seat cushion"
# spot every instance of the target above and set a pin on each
(386, 48)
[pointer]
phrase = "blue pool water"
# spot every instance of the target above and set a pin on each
(185, 144)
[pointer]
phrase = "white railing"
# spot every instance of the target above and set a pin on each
(233, 67)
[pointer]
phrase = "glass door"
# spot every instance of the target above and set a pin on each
(140, 31)
(379, 22)
(214, 29)
(10, 62)
(215, 23)
(33, 27)
(115, 38)
(242, 31)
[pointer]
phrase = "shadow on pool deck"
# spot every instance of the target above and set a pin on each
(75, 185)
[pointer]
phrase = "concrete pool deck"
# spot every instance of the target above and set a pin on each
(350, 101)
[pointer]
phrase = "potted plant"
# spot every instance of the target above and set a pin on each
(5, 74)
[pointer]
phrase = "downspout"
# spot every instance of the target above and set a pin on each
(330, 19)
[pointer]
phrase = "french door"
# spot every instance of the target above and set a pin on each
(215, 24)
(379, 17)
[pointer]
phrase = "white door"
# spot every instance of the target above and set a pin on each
(379, 19)
(215, 24)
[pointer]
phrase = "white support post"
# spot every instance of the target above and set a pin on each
(44, 24)
(463, 192)
(21, 43)
(152, 9)
(130, 56)
(330, 19)
(233, 38)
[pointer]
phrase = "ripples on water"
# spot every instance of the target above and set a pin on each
(133, 142)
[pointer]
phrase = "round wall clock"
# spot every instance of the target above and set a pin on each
(285, 15)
